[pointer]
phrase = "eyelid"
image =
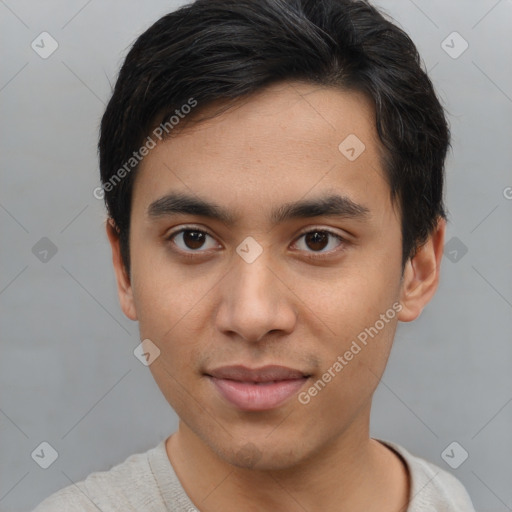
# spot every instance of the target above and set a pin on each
(308, 229)
(188, 227)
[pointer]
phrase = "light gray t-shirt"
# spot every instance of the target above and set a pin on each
(146, 482)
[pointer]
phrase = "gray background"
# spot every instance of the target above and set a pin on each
(68, 373)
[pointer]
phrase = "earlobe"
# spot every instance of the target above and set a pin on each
(421, 275)
(124, 287)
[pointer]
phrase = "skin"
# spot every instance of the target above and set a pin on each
(214, 308)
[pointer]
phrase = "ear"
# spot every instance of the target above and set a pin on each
(124, 287)
(421, 275)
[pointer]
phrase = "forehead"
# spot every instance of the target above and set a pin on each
(284, 143)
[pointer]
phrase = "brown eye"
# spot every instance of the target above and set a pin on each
(190, 240)
(194, 239)
(317, 240)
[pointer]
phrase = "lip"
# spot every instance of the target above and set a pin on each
(257, 389)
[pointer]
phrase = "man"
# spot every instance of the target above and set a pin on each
(273, 173)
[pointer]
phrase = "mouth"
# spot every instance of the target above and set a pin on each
(257, 389)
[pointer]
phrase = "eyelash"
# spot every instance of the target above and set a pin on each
(309, 255)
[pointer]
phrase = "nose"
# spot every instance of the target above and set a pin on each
(255, 301)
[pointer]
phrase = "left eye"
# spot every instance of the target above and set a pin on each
(317, 240)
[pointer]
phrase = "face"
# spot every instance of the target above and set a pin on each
(272, 285)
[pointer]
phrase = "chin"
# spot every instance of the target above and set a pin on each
(260, 456)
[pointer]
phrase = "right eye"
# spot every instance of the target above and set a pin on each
(190, 240)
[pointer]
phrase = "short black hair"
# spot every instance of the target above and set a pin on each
(218, 51)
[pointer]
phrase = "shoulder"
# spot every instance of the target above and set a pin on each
(126, 486)
(432, 488)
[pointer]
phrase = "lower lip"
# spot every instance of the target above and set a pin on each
(248, 396)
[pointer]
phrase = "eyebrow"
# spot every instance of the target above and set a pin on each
(332, 205)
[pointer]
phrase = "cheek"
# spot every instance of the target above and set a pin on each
(349, 376)
(357, 314)
(174, 320)
(175, 373)
(168, 296)
(346, 301)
